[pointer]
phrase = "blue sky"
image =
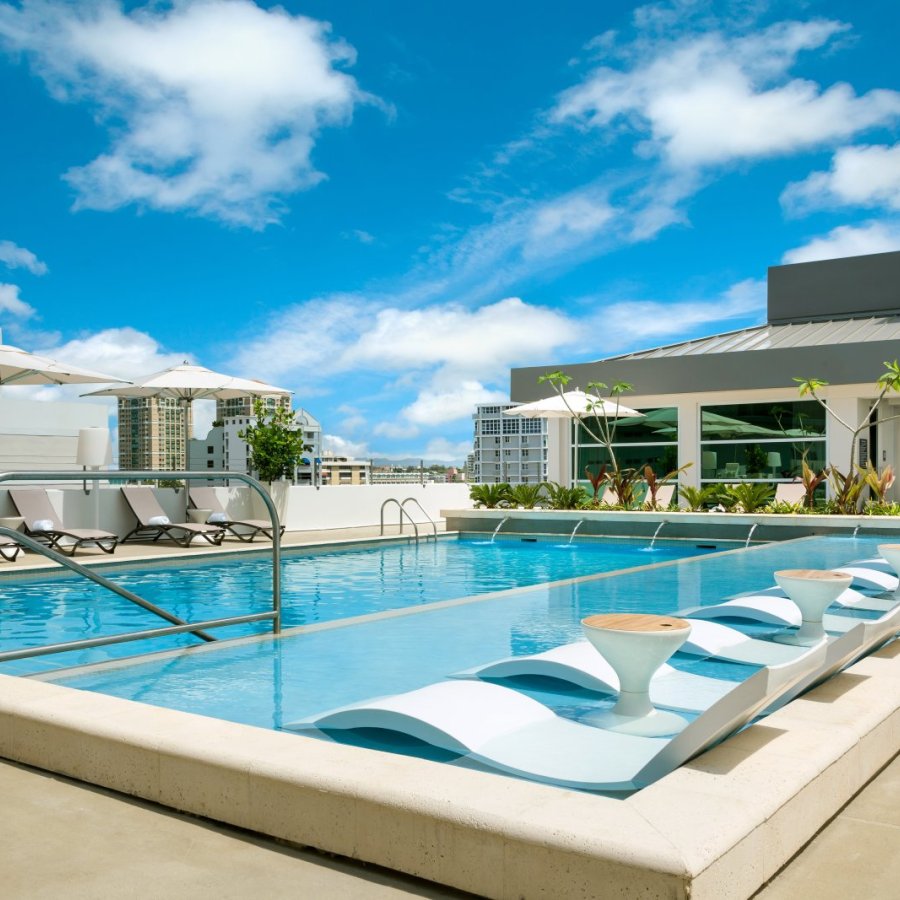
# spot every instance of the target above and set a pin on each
(385, 206)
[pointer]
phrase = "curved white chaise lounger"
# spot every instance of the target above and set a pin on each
(580, 664)
(507, 731)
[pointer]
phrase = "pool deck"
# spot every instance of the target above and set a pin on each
(795, 785)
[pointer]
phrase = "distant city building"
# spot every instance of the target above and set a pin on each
(151, 433)
(242, 407)
(344, 470)
(508, 448)
(37, 435)
(398, 475)
(224, 449)
(470, 467)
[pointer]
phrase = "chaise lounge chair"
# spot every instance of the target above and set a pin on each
(9, 551)
(510, 732)
(153, 523)
(242, 529)
(43, 524)
(580, 664)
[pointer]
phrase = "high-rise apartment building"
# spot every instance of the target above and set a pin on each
(242, 407)
(508, 448)
(152, 432)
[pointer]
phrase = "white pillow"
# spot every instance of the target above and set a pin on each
(158, 520)
(42, 525)
(217, 518)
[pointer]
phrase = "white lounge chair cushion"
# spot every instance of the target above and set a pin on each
(158, 520)
(42, 525)
(217, 518)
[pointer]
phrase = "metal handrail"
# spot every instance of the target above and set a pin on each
(179, 625)
(403, 512)
(424, 513)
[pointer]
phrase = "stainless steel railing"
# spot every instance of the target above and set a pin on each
(178, 626)
(403, 512)
(424, 513)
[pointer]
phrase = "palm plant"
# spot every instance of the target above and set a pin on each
(696, 498)
(750, 496)
(525, 495)
(562, 497)
(490, 496)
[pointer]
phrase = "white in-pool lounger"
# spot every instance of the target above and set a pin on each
(867, 576)
(507, 731)
(771, 609)
(580, 664)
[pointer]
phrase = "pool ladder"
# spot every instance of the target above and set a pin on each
(178, 625)
(405, 512)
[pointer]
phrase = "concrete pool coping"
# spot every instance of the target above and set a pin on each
(720, 826)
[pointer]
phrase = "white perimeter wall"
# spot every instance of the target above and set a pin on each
(340, 506)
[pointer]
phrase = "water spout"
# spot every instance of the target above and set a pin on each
(577, 526)
(855, 530)
(503, 521)
(659, 528)
(753, 528)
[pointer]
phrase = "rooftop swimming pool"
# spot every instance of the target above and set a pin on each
(271, 682)
(320, 586)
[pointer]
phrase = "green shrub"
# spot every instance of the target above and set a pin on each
(697, 499)
(525, 495)
(750, 496)
(490, 496)
(560, 496)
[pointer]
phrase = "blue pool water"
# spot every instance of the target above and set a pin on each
(270, 683)
(316, 587)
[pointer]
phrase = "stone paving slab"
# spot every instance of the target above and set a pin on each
(61, 838)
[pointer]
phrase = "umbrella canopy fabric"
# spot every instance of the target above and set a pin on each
(573, 405)
(188, 383)
(18, 366)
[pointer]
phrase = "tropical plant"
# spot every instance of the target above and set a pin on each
(275, 441)
(654, 483)
(624, 483)
(560, 496)
(596, 421)
(811, 480)
(696, 499)
(887, 383)
(597, 481)
(490, 496)
(846, 491)
(750, 496)
(525, 495)
(879, 483)
(756, 459)
(785, 508)
(874, 508)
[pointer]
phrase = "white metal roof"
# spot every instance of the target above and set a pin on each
(777, 337)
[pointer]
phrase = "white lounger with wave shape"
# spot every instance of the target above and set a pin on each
(580, 664)
(507, 731)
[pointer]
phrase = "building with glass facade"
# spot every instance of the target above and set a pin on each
(728, 405)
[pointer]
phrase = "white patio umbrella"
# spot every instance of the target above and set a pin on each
(188, 383)
(573, 405)
(18, 366)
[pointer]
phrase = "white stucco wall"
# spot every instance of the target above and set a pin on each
(343, 506)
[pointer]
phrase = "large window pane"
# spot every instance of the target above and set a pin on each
(802, 419)
(663, 459)
(767, 460)
(657, 426)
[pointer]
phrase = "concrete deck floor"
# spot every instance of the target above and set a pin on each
(65, 838)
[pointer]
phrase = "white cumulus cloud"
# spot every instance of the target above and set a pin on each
(864, 175)
(15, 257)
(848, 240)
(715, 98)
(12, 303)
(212, 106)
